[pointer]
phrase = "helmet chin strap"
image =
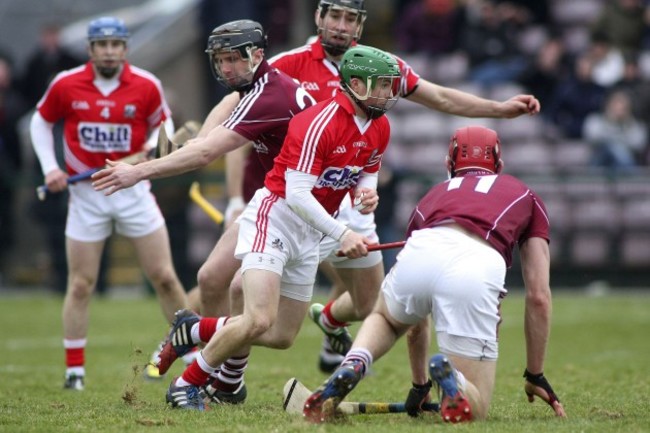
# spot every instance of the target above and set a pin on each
(371, 112)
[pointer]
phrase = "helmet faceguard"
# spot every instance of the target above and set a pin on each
(231, 43)
(474, 148)
(380, 73)
(334, 41)
(107, 28)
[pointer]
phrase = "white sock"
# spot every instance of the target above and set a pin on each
(194, 333)
(77, 371)
(359, 354)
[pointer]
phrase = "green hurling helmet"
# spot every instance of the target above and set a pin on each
(373, 67)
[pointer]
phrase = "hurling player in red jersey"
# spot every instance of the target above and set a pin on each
(340, 25)
(109, 108)
(269, 100)
(330, 149)
(460, 242)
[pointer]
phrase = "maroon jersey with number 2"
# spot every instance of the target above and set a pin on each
(263, 115)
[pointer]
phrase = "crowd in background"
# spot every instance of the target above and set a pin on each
(590, 72)
(572, 69)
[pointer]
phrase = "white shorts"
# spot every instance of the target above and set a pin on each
(357, 222)
(455, 277)
(91, 214)
(273, 238)
(465, 347)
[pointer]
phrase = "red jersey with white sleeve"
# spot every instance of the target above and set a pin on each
(263, 116)
(499, 208)
(320, 77)
(98, 126)
(328, 141)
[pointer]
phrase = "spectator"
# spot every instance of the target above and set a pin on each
(487, 39)
(12, 107)
(549, 68)
(584, 91)
(604, 61)
(618, 139)
(623, 23)
(45, 62)
(429, 27)
(526, 12)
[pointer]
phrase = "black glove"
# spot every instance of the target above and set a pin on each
(418, 395)
(537, 385)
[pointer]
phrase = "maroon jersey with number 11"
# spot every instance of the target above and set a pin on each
(499, 208)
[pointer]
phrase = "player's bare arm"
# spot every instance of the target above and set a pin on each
(219, 113)
(418, 339)
(197, 153)
(457, 102)
(535, 262)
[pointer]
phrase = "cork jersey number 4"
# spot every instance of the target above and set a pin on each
(483, 185)
(105, 113)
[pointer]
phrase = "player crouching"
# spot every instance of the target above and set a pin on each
(460, 242)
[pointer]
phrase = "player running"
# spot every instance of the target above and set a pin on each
(269, 100)
(330, 149)
(460, 241)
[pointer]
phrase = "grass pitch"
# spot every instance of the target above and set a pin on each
(598, 362)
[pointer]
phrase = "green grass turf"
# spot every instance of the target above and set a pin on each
(598, 362)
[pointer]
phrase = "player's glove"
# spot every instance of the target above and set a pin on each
(537, 385)
(418, 395)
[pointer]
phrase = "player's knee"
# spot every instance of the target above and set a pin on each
(211, 278)
(279, 338)
(164, 279)
(80, 288)
(204, 279)
(363, 308)
(257, 324)
(282, 342)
